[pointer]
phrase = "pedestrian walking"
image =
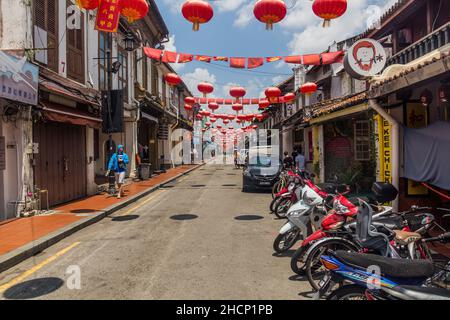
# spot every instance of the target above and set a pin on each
(300, 160)
(118, 163)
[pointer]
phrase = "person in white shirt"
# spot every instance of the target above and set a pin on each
(300, 160)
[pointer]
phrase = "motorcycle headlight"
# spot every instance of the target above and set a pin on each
(307, 200)
(339, 207)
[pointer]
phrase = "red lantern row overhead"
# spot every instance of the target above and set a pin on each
(270, 12)
(88, 4)
(237, 92)
(264, 104)
(289, 97)
(205, 88)
(308, 88)
(134, 9)
(213, 106)
(273, 94)
(172, 79)
(237, 107)
(329, 9)
(197, 12)
(189, 100)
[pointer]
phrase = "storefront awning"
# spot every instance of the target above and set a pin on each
(59, 113)
(149, 117)
(341, 113)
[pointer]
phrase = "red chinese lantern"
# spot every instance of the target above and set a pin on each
(273, 94)
(263, 104)
(249, 117)
(205, 88)
(254, 127)
(237, 92)
(189, 100)
(270, 12)
(237, 107)
(242, 117)
(197, 12)
(329, 9)
(213, 106)
(226, 121)
(308, 88)
(88, 4)
(206, 113)
(208, 124)
(212, 119)
(187, 107)
(259, 117)
(219, 126)
(172, 79)
(203, 130)
(289, 97)
(134, 9)
(199, 117)
(231, 117)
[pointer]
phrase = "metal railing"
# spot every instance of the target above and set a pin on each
(427, 44)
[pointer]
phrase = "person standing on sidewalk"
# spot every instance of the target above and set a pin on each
(118, 163)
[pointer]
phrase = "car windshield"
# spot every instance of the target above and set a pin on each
(262, 161)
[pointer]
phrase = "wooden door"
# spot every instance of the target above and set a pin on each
(60, 165)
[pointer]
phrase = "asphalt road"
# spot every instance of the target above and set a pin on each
(190, 240)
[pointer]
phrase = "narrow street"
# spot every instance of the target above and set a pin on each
(198, 238)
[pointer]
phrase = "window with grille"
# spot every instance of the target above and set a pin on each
(46, 23)
(362, 140)
(122, 57)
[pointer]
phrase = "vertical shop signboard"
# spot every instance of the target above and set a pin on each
(384, 149)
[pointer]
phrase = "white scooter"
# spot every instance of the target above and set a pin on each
(303, 216)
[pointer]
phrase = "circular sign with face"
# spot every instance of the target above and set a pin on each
(365, 59)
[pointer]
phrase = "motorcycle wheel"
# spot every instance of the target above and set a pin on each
(276, 188)
(315, 271)
(274, 203)
(282, 207)
(283, 242)
(348, 292)
(297, 264)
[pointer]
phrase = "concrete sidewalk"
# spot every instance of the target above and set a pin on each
(24, 237)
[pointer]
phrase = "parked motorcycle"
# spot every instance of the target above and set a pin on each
(374, 277)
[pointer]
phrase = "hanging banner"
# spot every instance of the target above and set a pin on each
(108, 16)
(252, 62)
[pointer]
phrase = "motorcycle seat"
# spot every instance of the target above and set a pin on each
(405, 237)
(397, 268)
(419, 293)
(389, 222)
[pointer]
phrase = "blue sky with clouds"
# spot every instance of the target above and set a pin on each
(234, 31)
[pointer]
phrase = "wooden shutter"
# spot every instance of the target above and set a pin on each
(46, 18)
(75, 51)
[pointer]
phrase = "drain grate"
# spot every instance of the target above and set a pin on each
(231, 174)
(229, 185)
(181, 217)
(125, 218)
(198, 185)
(248, 217)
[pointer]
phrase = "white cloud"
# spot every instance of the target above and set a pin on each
(229, 5)
(192, 79)
(313, 38)
(244, 15)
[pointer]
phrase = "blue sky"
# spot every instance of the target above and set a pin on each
(234, 31)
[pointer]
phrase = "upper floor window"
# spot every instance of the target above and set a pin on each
(122, 58)
(75, 47)
(46, 32)
(104, 44)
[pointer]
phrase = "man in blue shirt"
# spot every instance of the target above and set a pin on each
(118, 163)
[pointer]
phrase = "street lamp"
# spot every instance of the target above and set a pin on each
(129, 42)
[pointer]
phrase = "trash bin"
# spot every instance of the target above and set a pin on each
(144, 171)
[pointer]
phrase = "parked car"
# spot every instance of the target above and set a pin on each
(261, 171)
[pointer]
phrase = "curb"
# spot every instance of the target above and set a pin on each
(18, 255)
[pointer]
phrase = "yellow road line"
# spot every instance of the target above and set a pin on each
(29, 272)
(153, 196)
